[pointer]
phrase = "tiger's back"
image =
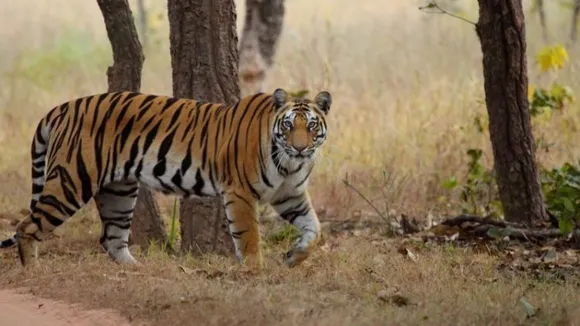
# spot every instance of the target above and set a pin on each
(104, 146)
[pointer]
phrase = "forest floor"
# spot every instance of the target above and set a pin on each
(358, 276)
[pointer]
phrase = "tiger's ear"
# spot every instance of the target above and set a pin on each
(323, 100)
(280, 98)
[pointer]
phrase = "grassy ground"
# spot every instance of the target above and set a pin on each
(406, 87)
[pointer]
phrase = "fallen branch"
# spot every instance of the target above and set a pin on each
(456, 221)
(488, 227)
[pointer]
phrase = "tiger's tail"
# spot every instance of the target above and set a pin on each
(38, 154)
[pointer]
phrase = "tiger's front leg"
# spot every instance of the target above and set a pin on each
(298, 211)
(242, 218)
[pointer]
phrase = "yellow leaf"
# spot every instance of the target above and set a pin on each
(531, 90)
(552, 58)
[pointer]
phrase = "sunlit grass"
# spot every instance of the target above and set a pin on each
(406, 85)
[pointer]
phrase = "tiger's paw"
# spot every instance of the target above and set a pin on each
(253, 262)
(295, 257)
(28, 252)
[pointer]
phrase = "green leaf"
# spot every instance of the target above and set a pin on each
(498, 233)
(528, 308)
(450, 183)
(568, 204)
(566, 225)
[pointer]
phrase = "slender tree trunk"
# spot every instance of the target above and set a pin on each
(143, 26)
(125, 75)
(204, 61)
(262, 28)
(575, 14)
(542, 14)
(501, 31)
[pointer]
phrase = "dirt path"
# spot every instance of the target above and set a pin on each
(17, 308)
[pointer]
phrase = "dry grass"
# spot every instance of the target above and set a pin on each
(343, 284)
(406, 87)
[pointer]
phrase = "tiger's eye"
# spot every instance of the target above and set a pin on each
(312, 125)
(287, 124)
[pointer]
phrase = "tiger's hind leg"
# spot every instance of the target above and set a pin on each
(115, 202)
(49, 209)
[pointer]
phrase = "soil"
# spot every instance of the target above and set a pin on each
(20, 308)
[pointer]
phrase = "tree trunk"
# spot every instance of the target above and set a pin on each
(501, 31)
(204, 62)
(542, 14)
(143, 23)
(575, 14)
(262, 28)
(125, 75)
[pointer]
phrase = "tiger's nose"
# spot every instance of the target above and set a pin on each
(299, 148)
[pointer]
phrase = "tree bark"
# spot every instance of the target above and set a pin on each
(125, 75)
(262, 28)
(204, 62)
(501, 31)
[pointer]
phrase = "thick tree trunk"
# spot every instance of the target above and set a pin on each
(262, 28)
(204, 61)
(125, 75)
(501, 31)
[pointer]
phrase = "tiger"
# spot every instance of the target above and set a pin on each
(260, 150)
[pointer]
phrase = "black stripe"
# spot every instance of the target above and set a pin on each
(37, 174)
(36, 188)
(132, 157)
(84, 177)
(305, 178)
(96, 111)
(243, 199)
(187, 160)
(126, 102)
(126, 132)
(119, 193)
(284, 200)
(165, 145)
(115, 156)
(139, 169)
(199, 183)
(146, 105)
(238, 234)
(53, 220)
(175, 116)
(170, 101)
(52, 201)
(38, 135)
(291, 214)
(150, 136)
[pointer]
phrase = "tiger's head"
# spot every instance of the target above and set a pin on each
(300, 125)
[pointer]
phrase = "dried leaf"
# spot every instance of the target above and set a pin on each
(453, 237)
(187, 270)
(550, 256)
(411, 255)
